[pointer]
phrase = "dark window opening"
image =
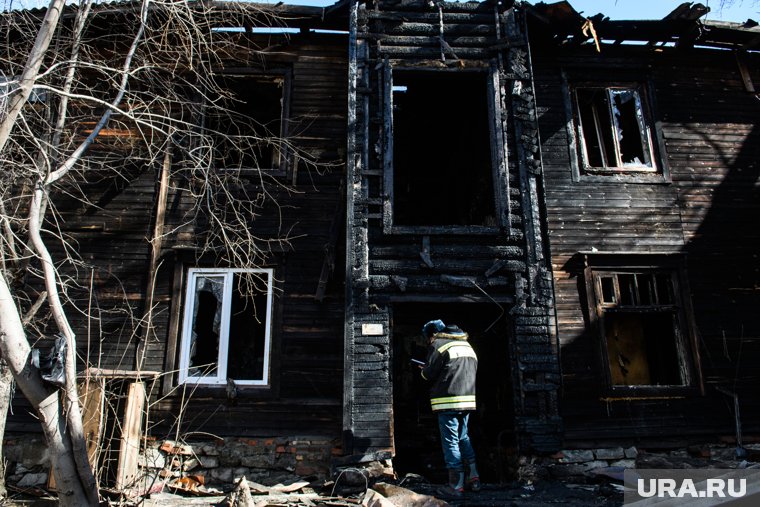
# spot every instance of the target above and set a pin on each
(442, 165)
(204, 349)
(641, 327)
(247, 332)
(608, 289)
(641, 349)
(613, 129)
(246, 123)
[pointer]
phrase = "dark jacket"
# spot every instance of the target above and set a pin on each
(451, 367)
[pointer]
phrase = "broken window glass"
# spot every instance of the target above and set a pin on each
(207, 318)
(226, 335)
(613, 129)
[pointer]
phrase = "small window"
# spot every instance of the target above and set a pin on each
(613, 129)
(246, 123)
(226, 327)
(443, 170)
(643, 327)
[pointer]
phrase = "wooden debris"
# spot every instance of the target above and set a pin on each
(402, 497)
(240, 496)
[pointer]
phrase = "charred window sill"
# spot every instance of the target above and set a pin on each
(617, 177)
(648, 393)
(451, 230)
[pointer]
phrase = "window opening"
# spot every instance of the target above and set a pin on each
(613, 129)
(226, 330)
(642, 329)
(442, 164)
(247, 122)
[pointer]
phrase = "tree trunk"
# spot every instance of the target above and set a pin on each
(46, 402)
(31, 69)
(6, 382)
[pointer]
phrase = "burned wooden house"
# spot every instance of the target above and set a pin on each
(649, 142)
(576, 193)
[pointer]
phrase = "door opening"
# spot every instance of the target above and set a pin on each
(416, 439)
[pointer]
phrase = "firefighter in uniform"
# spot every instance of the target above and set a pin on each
(450, 368)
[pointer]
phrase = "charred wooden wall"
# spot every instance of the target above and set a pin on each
(388, 265)
(305, 393)
(709, 124)
(306, 205)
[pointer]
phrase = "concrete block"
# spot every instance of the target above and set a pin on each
(152, 458)
(611, 453)
(576, 456)
(209, 461)
(210, 450)
(625, 463)
(221, 474)
(258, 460)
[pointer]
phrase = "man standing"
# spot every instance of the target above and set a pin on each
(451, 367)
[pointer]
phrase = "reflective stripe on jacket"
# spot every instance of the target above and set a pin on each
(451, 368)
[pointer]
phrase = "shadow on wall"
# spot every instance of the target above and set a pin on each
(723, 251)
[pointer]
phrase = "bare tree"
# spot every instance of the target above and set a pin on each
(77, 109)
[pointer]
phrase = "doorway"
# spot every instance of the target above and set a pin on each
(492, 433)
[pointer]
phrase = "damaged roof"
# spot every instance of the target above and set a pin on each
(683, 27)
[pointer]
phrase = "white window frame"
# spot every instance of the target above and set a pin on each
(220, 377)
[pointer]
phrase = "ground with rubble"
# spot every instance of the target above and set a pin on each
(175, 476)
(414, 493)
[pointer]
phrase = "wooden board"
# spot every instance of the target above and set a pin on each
(131, 435)
(91, 399)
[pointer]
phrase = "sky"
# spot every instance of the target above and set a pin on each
(736, 10)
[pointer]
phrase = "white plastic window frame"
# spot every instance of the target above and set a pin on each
(220, 378)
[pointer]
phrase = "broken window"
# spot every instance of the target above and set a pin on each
(442, 169)
(226, 327)
(246, 123)
(613, 129)
(642, 326)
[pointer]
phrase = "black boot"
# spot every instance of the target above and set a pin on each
(455, 488)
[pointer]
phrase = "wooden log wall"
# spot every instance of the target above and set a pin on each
(306, 204)
(430, 265)
(709, 124)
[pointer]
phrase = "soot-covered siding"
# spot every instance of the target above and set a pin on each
(698, 211)
(399, 254)
(308, 301)
(306, 360)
